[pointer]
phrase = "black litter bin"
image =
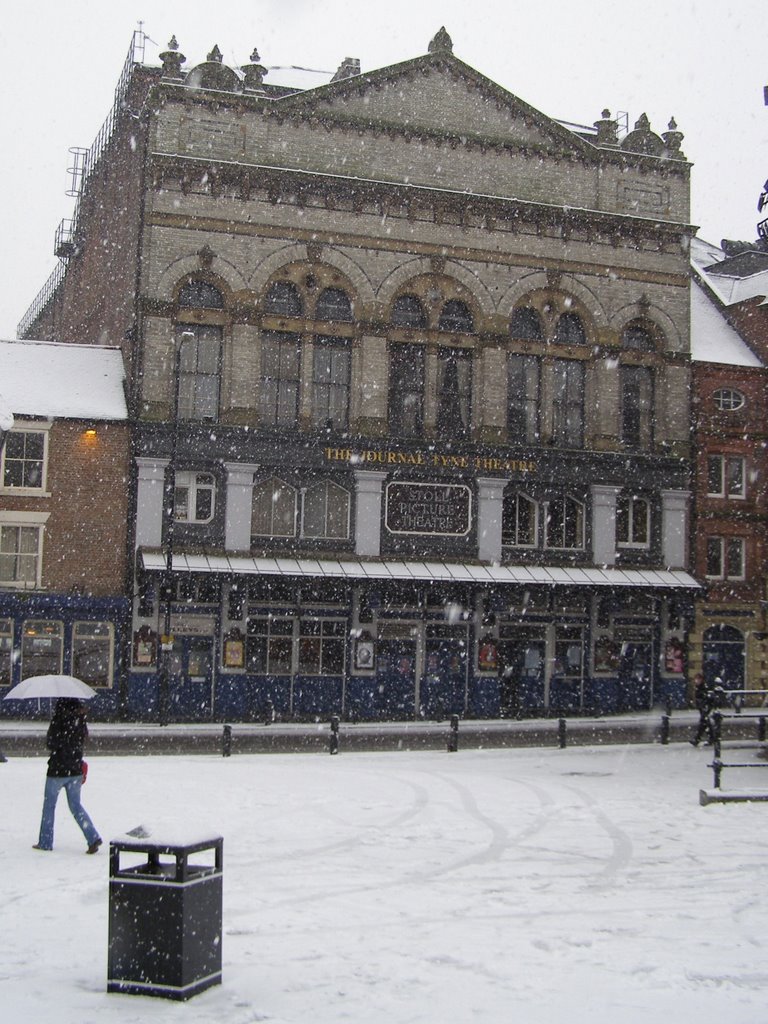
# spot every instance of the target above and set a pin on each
(164, 917)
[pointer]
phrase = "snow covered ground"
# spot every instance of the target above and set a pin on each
(527, 885)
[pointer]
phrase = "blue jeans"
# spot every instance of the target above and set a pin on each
(53, 786)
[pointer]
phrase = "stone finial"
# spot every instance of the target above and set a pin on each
(215, 55)
(642, 124)
(254, 73)
(172, 60)
(673, 140)
(349, 68)
(607, 130)
(441, 43)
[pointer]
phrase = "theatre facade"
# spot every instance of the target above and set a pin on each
(409, 367)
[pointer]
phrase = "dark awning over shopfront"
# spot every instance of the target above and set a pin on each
(438, 572)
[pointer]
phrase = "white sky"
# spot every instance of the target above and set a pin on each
(702, 61)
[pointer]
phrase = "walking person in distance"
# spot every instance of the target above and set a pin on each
(66, 738)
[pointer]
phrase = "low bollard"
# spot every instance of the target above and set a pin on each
(226, 741)
(668, 707)
(665, 729)
(453, 735)
(3, 758)
(761, 730)
(269, 713)
(561, 733)
(334, 739)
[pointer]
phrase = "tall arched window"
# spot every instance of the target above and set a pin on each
(636, 406)
(325, 511)
(526, 324)
(407, 311)
(333, 304)
(406, 389)
(638, 337)
(197, 368)
(274, 508)
(454, 385)
(456, 316)
(280, 373)
(200, 295)
(283, 299)
(568, 403)
(570, 330)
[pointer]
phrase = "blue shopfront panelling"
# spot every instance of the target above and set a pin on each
(361, 698)
(484, 697)
(67, 609)
(317, 696)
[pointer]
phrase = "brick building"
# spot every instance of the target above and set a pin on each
(413, 361)
(64, 467)
(729, 343)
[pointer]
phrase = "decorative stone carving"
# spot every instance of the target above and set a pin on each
(441, 43)
(172, 60)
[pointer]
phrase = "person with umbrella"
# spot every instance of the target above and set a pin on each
(66, 738)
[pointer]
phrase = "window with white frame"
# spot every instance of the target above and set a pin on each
(725, 476)
(633, 521)
(199, 371)
(564, 523)
(726, 558)
(519, 520)
(6, 651)
(274, 509)
(21, 544)
(728, 399)
(24, 458)
(92, 652)
(194, 497)
(280, 371)
(42, 647)
(325, 511)
(636, 406)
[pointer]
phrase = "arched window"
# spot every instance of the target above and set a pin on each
(564, 523)
(636, 383)
(519, 520)
(523, 379)
(283, 299)
(200, 295)
(455, 316)
(279, 393)
(568, 403)
(454, 386)
(333, 304)
(728, 399)
(526, 324)
(570, 330)
(325, 511)
(331, 369)
(273, 509)
(406, 389)
(636, 336)
(198, 370)
(407, 311)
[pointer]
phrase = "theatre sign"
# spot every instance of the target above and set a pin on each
(419, 508)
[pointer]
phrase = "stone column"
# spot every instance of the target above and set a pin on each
(150, 500)
(368, 511)
(490, 494)
(237, 522)
(674, 528)
(604, 523)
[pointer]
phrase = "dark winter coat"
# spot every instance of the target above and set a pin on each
(66, 738)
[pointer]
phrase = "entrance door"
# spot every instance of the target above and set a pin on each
(724, 656)
(191, 683)
(444, 686)
(521, 665)
(395, 678)
(636, 676)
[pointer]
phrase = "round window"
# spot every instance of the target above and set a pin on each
(728, 399)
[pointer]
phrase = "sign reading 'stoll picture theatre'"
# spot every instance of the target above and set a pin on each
(423, 508)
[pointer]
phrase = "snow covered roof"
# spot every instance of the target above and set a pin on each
(729, 288)
(713, 340)
(44, 378)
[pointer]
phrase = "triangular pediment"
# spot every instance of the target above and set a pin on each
(435, 95)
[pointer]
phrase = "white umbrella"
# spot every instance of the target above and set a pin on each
(37, 687)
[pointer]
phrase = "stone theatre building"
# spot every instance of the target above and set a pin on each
(412, 360)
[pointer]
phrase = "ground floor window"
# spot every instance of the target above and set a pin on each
(42, 647)
(20, 555)
(92, 652)
(322, 644)
(269, 646)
